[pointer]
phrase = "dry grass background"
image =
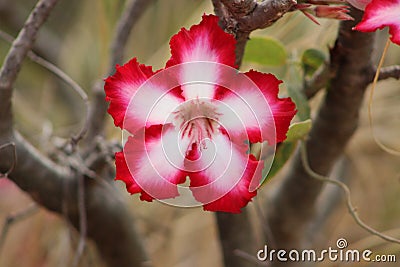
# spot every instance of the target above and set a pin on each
(177, 237)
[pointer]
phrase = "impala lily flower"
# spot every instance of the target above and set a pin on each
(379, 14)
(194, 119)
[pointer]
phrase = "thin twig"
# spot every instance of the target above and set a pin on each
(129, 18)
(389, 72)
(352, 210)
(318, 81)
(13, 218)
(64, 77)
(15, 56)
(370, 119)
(264, 223)
(14, 159)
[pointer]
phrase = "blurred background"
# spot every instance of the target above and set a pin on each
(77, 39)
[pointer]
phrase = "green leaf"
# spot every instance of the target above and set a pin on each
(283, 153)
(311, 60)
(265, 51)
(294, 85)
(298, 130)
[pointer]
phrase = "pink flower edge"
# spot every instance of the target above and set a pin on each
(379, 14)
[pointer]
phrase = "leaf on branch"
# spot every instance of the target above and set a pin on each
(297, 131)
(282, 155)
(265, 51)
(295, 90)
(311, 60)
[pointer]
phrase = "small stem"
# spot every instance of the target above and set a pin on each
(377, 141)
(352, 210)
(14, 161)
(19, 216)
(63, 76)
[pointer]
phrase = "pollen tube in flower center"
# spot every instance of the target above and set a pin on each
(196, 120)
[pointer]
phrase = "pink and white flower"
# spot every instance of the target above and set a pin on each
(194, 119)
(379, 14)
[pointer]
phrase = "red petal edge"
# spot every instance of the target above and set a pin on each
(283, 109)
(121, 87)
(123, 174)
(379, 14)
(239, 196)
(207, 35)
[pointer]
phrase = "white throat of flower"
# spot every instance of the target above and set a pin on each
(196, 120)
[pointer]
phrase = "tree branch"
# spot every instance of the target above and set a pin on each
(326, 72)
(54, 186)
(241, 17)
(130, 16)
(64, 77)
(13, 61)
(389, 72)
(235, 233)
(318, 81)
(12, 17)
(292, 205)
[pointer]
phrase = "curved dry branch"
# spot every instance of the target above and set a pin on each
(13, 61)
(13, 218)
(63, 76)
(350, 207)
(56, 187)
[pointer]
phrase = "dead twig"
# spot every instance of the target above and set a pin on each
(14, 159)
(13, 218)
(352, 210)
(64, 77)
(15, 56)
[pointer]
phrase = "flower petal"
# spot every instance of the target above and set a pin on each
(252, 107)
(205, 42)
(138, 98)
(151, 163)
(379, 14)
(227, 171)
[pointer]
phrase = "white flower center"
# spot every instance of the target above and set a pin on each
(197, 120)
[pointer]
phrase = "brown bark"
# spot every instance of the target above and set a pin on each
(292, 206)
